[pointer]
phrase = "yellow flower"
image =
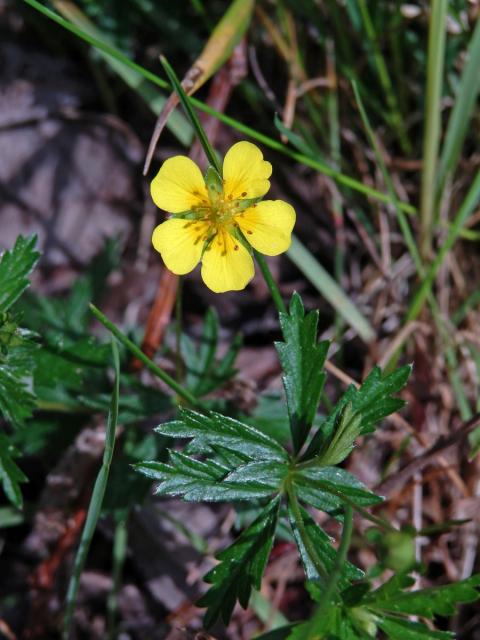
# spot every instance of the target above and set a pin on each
(217, 221)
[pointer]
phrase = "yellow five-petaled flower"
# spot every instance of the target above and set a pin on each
(218, 220)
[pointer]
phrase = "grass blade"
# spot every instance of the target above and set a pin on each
(384, 77)
(326, 285)
(468, 205)
(96, 500)
(459, 120)
(431, 140)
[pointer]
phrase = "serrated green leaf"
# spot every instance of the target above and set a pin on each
(15, 267)
(427, 602)
(216, 429)
(17, 364)
(372, 401)
(268, 473)
(302, 359)
(348, 426)
(341, 484)
(325, 550)
(241, 567)
(398, 629)
(10, 474)
(209, 481)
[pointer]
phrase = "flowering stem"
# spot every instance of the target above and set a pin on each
(271, 284)
(186, 104)
(138, 353)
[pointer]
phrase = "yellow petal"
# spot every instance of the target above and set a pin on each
(245, 172)
(268, 226)
(226, 265)
(180, 243)
(178, 186)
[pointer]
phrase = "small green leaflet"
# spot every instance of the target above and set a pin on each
(16, 367)
(16, 362)
(373, 401)
(241, 567)
(398, 629)
(215, 429)
(302, 359)
(427, 602)
(340, 484)
(10, 474)
(15, 267)
(209, 481)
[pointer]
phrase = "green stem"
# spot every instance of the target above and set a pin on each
(119, 553)
(334, 575)
(431, 141)
(186, 104)
(271, 284)
(138, 353)
(464, 212)
(307, 543)
(96, 500)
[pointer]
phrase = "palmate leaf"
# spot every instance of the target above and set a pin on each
(15, 267)
(241, 567)
(302, 359)
(356, 413)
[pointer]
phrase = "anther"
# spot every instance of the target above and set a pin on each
(244, 194)
(249, 233)
(235, 247)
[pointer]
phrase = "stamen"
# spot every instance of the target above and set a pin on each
(249, 233)
(244, 194)
(235, 247)
(230, 196)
